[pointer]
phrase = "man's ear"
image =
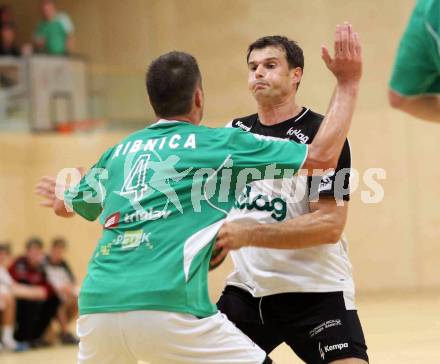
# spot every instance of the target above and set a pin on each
(198, 97)
(296, 74)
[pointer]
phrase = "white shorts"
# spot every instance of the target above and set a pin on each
(158, 337)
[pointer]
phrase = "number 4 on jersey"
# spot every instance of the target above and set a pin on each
(135, 185)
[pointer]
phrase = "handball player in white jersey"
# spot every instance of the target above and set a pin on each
(292, 280)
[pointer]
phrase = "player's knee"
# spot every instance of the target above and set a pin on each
(396, 101)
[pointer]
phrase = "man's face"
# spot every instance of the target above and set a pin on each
(4, 258)
(34, 255)
(269, 78)
(7, 36)
(57, 253)
(48, 9)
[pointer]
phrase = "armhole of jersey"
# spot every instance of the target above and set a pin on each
(349, 150)
(305, 158)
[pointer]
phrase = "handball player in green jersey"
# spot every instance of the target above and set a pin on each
(161, 195)
(415, 81)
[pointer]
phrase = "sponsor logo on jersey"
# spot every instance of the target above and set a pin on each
(133, 239)
(299, 134)
(243, 126)
(112, 221)
(326, 183)
(260, 202)
(148, 215)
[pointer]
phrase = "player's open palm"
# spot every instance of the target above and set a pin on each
(46, 188)
(346, 64)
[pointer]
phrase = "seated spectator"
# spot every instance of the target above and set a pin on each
(33, 316)
(54, 34)
(8, 47)
(9, 291)
(6, 16)
(7, 301)
(62, 279)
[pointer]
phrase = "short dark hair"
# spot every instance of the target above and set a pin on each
(5, 247)
(34, 241)
(59, 242)
(294, 53)
(171, 81)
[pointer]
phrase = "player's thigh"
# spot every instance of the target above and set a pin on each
(175, 338)
(244, 311)
(101, 340)
(329, 332)
(349, 361)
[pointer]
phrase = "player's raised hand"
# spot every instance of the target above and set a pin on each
(52, 191)
(346, 64)
(46, 188)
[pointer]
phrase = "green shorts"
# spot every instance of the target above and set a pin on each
(417, 67)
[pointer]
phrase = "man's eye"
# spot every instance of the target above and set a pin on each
(253, 68)
(271, 65)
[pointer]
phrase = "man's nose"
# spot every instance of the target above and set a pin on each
(259, 72)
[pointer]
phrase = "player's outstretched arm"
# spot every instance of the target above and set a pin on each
(323, 225)
(425, 107)
(346, 65)
(46, 188)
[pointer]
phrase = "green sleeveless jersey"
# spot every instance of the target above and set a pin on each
(161, 195)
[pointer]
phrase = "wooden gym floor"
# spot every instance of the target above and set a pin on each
(398, 328)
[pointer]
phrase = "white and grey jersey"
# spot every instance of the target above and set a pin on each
(324, 268)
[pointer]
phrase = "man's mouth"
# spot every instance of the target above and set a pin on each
(260, 85)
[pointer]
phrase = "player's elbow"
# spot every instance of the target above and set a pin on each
(60, 209)
(395, 100)
(334, 224)
(320, 161)
(334, 234)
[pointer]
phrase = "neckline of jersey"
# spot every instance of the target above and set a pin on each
(163, 122)
(303, 112)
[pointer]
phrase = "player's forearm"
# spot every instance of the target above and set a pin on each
(61, 210)
(425, 107)
(326, 147)
(315, 228)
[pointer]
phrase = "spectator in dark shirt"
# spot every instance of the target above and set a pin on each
(9, 292)
(62, 280)
(6, 16)
(33, 317)
(8, 46)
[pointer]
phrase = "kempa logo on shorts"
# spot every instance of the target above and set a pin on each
(262, 203)
(329, 348)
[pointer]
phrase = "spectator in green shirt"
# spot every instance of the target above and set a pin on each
(54, 34)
